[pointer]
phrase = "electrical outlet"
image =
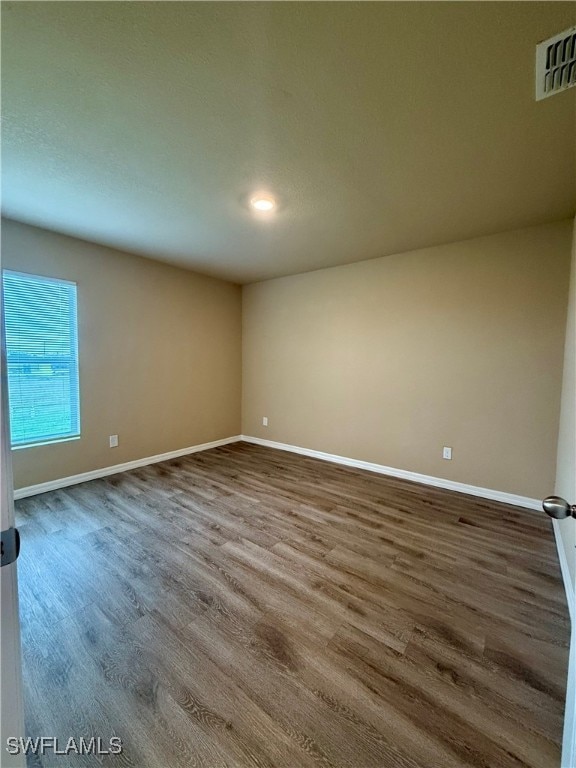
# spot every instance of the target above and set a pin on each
(113, 441)
(447, 453)
(264, 421)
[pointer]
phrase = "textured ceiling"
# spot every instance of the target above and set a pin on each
(381, 127)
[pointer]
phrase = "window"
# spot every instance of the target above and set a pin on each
(42, 356)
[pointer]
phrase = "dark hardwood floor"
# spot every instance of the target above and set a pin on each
(250, 607)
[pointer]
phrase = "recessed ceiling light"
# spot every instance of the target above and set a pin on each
(263, 203)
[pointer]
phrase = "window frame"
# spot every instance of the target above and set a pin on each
(73, 380)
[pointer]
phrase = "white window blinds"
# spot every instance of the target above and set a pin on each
(42, 356)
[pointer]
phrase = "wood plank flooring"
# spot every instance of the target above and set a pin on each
(249, 607)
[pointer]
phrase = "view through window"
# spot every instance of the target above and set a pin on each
(42, 358)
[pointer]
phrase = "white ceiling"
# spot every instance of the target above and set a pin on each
(381, 127)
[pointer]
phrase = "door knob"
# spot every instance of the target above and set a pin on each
(557, 507)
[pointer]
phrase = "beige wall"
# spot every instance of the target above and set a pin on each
(391, 359)
(386, 361)
(566, 468)
(160, 354)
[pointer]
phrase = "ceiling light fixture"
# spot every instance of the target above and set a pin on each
(263, 204)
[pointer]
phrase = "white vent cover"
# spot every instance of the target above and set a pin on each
(556, 64)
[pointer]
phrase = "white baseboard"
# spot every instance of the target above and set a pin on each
(64, 482)
(404, 474)
(563, 557)
(569, 738)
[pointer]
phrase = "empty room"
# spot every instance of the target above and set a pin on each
(288, 384)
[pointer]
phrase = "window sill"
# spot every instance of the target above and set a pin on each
(46, 442)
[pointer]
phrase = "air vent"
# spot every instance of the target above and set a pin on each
(556, 64)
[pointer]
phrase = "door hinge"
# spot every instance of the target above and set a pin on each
(10, 546)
